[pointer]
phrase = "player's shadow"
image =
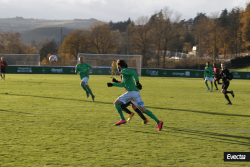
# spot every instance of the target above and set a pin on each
(202, 112)
(225, 138)
(58, 98)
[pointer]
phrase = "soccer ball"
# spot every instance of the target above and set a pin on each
(53, 58)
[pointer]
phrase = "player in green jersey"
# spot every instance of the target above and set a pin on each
(132, 94)
(208, 75)
(84, 69)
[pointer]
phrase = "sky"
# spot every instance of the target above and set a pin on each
(111, 10)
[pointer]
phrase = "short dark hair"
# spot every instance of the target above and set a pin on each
(122, 63)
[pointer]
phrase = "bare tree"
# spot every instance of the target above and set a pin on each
(102, 39)
(140, 37)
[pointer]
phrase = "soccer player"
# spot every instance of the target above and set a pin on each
(208, 75)
(84, 69)
(113, 67)
(131, 114)
(226, 76)
(132, 94)
(3, 64)
(216, 76)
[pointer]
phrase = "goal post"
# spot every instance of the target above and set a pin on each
(105, 60)
(22, 59)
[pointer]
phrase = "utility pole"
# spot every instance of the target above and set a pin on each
(61, 36)
(128, 42)
(199, 49)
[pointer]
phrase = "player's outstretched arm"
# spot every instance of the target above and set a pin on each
(109, 84)
(119, 84)
(230, 75)
(138, 85)
(76, 70)
(115, 80)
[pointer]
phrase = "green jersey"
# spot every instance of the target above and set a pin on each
(208, 72)
(82, 69)
(128, 77)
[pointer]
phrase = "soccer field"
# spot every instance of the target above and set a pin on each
(46, 120)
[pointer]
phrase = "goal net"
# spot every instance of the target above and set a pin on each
(22, 59)
(105, 60)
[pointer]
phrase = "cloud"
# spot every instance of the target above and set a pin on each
(106, 10)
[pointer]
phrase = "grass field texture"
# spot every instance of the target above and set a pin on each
(46, 120)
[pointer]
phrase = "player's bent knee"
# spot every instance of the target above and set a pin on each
(142, 109)
(117, 102)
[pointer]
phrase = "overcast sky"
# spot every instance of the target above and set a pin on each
(115, 10)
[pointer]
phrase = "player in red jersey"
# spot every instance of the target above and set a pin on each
(131, 114)
(3, 64)
(217, 75)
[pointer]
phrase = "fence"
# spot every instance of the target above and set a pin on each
(106, 71)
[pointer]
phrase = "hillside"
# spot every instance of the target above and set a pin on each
(40, 34)
(39, 29)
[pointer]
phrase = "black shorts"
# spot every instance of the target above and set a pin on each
(225, 85)
(2, 70)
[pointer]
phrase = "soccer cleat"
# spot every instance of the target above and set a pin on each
(229, 103)
(130, 116)
(232, 93)
(160, 125)
(145, 121)
(207, 90)
(93, 98)
(120, 122)
(216, 89)
(87, 93)
(211, 90)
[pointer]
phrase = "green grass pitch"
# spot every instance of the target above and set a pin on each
(46, 120)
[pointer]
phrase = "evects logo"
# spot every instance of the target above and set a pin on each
(236, 156)
(229, 156)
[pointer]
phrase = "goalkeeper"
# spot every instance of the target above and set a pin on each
(84, 69)
(113, 67)
(131, 114)
(132, 93)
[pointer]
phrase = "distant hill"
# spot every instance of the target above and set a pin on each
(39, 34)
(38, 29)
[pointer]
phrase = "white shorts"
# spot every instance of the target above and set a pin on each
(209, 79)
(85, 80)
(133, 96)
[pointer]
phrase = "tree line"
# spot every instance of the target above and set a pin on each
(154, 37)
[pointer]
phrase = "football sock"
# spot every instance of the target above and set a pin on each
(84, 87)
(140, 114)
(207, 86)
(123, 106)
(226, 96)
(90, 92)
(149, 113)
(215, 85)
(211, 86)
(119, 110)
(228, 91)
